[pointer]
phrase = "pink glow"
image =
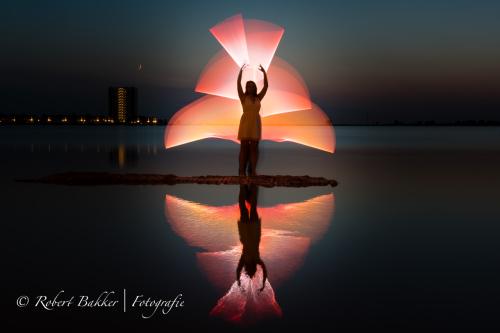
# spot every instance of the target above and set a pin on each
(209, 110)
(207, 117)
(287, 91)
(231, 35)
(253, 42)
(262, 41)
(307, 127)
(246, 304)
(209, 227)
(219, 77)
(287, 232)
(218, 117)
(281, 250)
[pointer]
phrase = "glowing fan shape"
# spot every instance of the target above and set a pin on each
(287, 92)
(248, 41)
(307, 127)
(287, 232)
(252, 42)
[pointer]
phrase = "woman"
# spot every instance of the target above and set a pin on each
(249, 228)
(249, 132)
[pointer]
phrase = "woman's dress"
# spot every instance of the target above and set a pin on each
(250, 123)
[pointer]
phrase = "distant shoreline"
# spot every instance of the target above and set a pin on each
(102, 120)
(460, 124)
(79, 120)
(490, 124)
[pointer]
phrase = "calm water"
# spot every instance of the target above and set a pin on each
(408, 240)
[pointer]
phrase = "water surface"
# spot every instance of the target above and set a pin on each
(408, 240)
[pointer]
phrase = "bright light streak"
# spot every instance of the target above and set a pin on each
(262, 41)
(252, 42)
(284, 228)
(231, 35)
(218, 117)
(287, 232)
(287, 91)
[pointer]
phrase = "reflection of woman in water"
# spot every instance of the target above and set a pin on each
(249, 132)
(248, 301)
(249, 228)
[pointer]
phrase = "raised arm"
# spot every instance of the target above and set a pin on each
(264, 89)
(238, 271)
(241, 95)
(265, 274)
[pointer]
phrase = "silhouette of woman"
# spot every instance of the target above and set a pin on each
(249, 227)
(249, 132)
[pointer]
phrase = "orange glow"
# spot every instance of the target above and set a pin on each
(218, 77)
(306, 127)
(287, 91)
(262, 41)
(231, 34)
(250, 42)
(287, 230)
(287, 233)
(218, 117)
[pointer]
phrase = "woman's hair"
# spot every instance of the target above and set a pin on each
(251, 88)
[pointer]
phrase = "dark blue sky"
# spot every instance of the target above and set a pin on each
(362, 60)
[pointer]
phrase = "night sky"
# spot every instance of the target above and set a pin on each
(362, 60)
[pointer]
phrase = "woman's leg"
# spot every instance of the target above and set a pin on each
(254, 156)
(254, 216)
(243, 157)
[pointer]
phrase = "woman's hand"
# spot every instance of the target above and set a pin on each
(264, 89)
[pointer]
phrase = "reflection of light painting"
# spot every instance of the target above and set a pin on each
(287, 111)
(287, 232)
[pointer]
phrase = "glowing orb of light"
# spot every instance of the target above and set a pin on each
(217, 115)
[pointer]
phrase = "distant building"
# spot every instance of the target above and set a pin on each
(123, 103)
